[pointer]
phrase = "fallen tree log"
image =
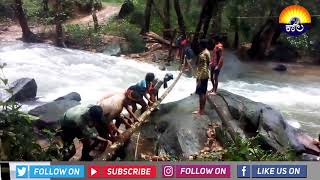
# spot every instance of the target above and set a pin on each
(110, 152)
(155, 36)
(218, 103)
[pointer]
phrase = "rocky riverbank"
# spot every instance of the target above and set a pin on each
(173, 131)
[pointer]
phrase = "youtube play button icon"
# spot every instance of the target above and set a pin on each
(94, 171)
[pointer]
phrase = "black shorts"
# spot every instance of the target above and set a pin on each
(202, 86)
(214, 72)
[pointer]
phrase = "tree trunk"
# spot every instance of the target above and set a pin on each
(147, 14)
(45, 8)
(158, 12)
(182, 26)
(110, 152)
(94, 16)
(217, 16)
(188, 5)
(59, 27)
(27, 35)
(208, 18)
(200, 22)
(236, 35)
(167, 23)
(261, 42)
(204, 20)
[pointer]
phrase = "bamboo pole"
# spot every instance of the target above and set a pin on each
(136, 150)
(110, 152)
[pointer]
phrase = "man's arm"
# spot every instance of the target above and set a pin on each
(148, 99)
(130, 112)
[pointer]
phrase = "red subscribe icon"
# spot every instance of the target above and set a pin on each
(128, 172)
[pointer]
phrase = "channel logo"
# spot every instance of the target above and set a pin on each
(243, 171)
(295, 20)
(22, 171)
(167, 171)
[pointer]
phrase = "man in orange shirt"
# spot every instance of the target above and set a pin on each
(216, 64)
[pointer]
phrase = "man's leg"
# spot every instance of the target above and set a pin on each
(143, 105)
(199, 92)
(212, 76)
(203, 99)
(86, 149)
(121, 120)
(216, 80)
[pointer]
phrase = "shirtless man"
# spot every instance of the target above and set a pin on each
(112, 106)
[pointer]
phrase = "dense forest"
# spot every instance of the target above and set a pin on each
(239, 21)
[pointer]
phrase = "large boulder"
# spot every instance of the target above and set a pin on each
(22, 89)
(49, 114)
(284, 53)
(71, 96)
(174, 130)
(260, 119)
(126, 9)
(280, 68)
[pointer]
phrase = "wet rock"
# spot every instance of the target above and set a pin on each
(162, 67)
(126, 9)
(284, 53)
(155, 57)
(22, 89)
(113, 49)
(71, 96)
(49, 114)
(258, 118)
(280, 68)
(175, 130)
(310, 157)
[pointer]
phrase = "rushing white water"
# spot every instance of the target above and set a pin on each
(60, 71)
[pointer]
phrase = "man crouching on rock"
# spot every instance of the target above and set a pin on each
(136, 93)
(112, 106)
(83, 122)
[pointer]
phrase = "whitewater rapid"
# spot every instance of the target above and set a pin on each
(61, 71)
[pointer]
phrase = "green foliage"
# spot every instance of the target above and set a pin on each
(83, 35)
(246, 150)
(33, 9)
(251, 150)
(136, 42)
(136, 18)
(17, 138)
(119, 27)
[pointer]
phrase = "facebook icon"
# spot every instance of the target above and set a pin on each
(243, 171)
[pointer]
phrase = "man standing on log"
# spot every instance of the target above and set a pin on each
(202, 75)
(216, 64)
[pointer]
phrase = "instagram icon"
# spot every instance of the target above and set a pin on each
(167, 171)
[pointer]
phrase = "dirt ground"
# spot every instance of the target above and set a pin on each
(11, 31)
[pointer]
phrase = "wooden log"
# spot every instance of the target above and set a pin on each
(159, 38)
(218, 103)
(110, 152)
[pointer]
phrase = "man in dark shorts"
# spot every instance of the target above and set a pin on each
(216, 64)
(86, 123)
(134, 94)
(202, 75)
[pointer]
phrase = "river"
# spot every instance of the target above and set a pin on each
(57, 72)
